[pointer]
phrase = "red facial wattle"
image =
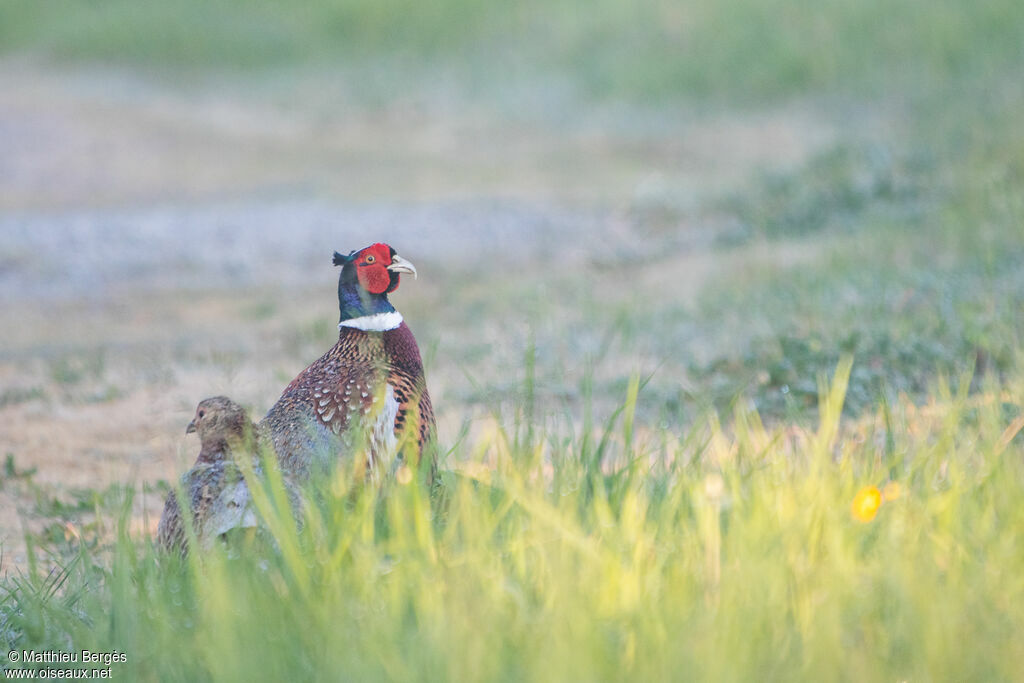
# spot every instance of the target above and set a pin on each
(372, 269)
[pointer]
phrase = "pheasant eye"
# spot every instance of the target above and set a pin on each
(370, 258)
(202, 413)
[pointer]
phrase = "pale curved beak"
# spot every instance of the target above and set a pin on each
(191, 427)
(400, 265)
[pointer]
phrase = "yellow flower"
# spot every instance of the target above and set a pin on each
(891, 491)
(866, 503)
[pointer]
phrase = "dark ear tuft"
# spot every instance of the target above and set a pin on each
(340, 260)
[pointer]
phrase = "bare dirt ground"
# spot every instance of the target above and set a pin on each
(161, 242)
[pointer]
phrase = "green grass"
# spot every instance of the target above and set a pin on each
(732, 555)
(882, 297)
(652, 49)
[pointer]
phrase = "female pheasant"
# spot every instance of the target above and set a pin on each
(216, 493)
(366, 398)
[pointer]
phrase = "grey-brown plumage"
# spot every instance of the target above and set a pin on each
(216, 492)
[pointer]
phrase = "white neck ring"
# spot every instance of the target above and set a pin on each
(378, 322)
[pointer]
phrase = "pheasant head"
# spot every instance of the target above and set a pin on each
(367, 276)
(219, 422)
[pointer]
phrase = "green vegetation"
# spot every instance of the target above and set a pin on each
(731, 555)
(905, 307)
(737, 49)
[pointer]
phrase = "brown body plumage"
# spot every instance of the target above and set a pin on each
(365, 394)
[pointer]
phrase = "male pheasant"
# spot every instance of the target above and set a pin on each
(214, 489)
(366, 397)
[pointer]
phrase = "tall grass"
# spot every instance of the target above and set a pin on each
(730, 554)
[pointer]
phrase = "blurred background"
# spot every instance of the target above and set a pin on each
(721, 196)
